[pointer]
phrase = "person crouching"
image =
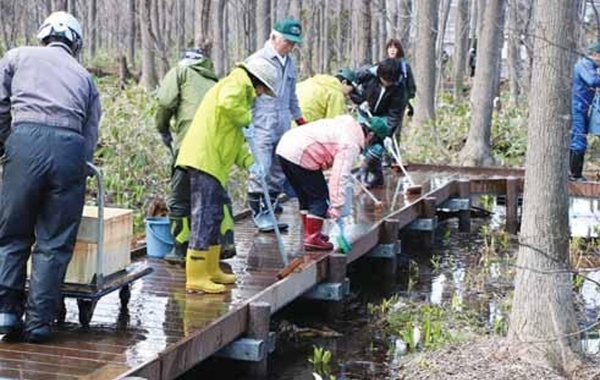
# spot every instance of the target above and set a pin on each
(321, 145)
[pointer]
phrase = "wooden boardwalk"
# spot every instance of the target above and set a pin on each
(164, 332)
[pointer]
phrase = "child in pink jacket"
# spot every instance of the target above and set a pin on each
(305, 152)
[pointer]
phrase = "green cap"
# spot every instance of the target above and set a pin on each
(290, 29)
(379, 126)
(348, 75)
(594, 47)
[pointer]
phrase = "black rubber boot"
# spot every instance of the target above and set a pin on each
(277, 208)
(180, 228)
(576, 166)
(228, 249)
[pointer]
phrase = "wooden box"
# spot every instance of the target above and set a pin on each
(118, 232)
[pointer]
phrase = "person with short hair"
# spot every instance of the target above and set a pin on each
(586, 81)
(49, 116)
(381, 94)
(213, 144)
(272, 117)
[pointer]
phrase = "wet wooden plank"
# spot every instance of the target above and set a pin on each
(584, 189)
(181, 357)
(33, 375)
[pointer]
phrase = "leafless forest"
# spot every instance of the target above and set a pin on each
(150, 33)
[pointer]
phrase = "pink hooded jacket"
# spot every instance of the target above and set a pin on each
(326, 144)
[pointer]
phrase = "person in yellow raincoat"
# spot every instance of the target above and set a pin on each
(324, 96)
(212, 145)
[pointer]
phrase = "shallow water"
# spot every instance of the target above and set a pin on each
(360, 353)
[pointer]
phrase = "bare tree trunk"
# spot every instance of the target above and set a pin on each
(59, 5)
(327, 37)
(427, 22)
(180, 25)
(461, 45)
(72, 7)
(49, 7)
(131, 31)
(445, 11)
(92, 24)
(365, 32)
(218, 37)
(524, 24)
(477, 150)
(543, 326)
(514, 60)
(4, 25)
(263, 21)
(156, 33)
(204, 33)
(338, 43)
(296, 9)
(404, 19)
(148, 78)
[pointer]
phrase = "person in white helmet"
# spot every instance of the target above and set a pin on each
(213, 143)
(49, 116)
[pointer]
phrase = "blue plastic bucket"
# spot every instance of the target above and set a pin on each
(159, 240)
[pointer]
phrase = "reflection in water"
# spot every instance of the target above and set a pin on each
(437, 289)
(136, 354)
(591, 296)
(584, 217)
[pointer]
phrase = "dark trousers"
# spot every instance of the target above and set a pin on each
(208, 202)
(41, 201)
(179, 199)
(310, 187)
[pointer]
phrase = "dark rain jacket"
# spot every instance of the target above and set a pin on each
(383, 101)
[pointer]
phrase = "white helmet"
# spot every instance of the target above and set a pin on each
(264, 70)
(62, 24)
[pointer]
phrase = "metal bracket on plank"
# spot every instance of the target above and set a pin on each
(329, 291)
(456, 204)
(385, 251)
(248, 349)
(423, 224)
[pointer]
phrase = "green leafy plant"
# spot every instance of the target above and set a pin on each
(320, 360)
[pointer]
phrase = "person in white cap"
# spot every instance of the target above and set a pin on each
(213, 144)
(49, 116)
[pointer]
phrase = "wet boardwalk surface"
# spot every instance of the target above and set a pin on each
(164, 331)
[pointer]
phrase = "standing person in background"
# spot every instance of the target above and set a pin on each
(324, 96)
(393, 49)
(272, 117)
(49, 116)
(586, 81)
(212, 145)
(178, 97)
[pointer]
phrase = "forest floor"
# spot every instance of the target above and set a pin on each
(485, 358)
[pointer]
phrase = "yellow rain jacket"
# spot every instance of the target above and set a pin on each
(214, 141)
(321, 97)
